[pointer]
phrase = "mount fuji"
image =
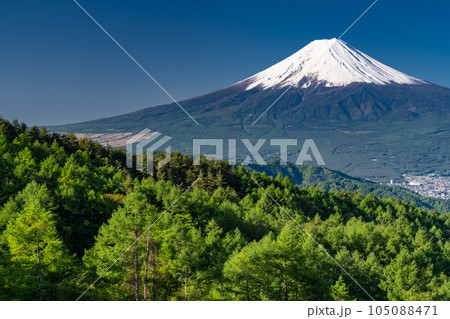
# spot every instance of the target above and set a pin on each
(331, 63)
(371, 120)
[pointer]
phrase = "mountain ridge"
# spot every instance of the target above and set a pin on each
(307, 175)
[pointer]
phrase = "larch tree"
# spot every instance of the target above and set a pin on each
(32, 239)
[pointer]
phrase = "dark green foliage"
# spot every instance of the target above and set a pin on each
(307, 175)
(225, 239)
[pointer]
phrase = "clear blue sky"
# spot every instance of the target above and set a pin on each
(57, 67)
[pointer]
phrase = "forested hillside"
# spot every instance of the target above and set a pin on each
(307, 175)
(69, 208)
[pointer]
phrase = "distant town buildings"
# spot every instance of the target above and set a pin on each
(428, 186)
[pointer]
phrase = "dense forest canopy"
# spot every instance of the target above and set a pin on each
(69, 208)
(307, 175)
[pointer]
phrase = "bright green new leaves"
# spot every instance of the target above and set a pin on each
(224, 239)
(35, 249)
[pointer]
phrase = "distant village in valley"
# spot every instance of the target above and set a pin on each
(429, 186)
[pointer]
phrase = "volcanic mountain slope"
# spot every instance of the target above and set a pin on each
(329, 91)
(327, 79)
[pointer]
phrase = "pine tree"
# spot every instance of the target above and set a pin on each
(339, 291)
(36, 248)
(126, 225)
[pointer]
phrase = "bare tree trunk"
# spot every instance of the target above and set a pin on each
(147, 255)
(185, 289)
(153, 269)
(39, 267)
(285, 282)
(248, 295)
(136, 260)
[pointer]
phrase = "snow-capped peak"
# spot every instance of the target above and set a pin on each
(329, 62)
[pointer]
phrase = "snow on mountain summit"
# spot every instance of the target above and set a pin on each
(329, 62)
